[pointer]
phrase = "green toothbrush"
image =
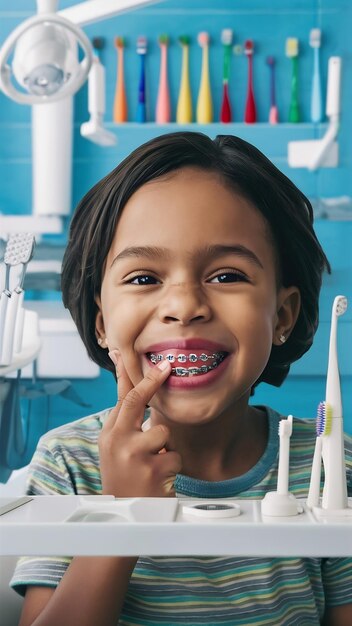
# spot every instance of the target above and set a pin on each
(292, 53)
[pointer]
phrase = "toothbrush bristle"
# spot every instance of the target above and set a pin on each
(142, 45)
(340, 305)
(249, 46)
(119, 42)
(292, 47)
(203, 39)
(315, 38)
(184, 40)
(19, 248)
(226, 36)
(324, 419)
(163, 39)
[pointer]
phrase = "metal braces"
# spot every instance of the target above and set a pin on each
(182, 358)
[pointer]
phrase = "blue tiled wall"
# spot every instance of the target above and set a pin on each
(268, 24)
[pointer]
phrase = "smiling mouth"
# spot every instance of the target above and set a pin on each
(199, 363)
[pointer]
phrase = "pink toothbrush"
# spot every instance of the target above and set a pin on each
(250, 114)
(163, 106)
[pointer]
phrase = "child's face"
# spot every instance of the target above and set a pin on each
(192, 271)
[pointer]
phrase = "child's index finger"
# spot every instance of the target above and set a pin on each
(132, 407)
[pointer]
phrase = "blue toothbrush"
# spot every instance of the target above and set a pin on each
(316, 109)
(141, 108)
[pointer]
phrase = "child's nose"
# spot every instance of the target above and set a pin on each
(184, 303)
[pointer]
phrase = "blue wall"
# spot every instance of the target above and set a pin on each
(268, 24)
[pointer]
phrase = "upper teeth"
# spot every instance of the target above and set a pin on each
(182, 358)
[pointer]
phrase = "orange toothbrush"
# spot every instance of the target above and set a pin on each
(120, 100)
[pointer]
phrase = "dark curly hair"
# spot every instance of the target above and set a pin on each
(242, 167)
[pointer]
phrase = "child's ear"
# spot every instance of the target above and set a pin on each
(289, 304)
(99, 325)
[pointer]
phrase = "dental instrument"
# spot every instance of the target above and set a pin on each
(250, 113)
(282, 503)
(226, 40)
(120, 100)
(204, 102)
(292, 53)
(163, 104)
(184, 102)
(316, 106)
(94, 129)
(322, 152)
(141, 107)
(18, 251)
(334, 497)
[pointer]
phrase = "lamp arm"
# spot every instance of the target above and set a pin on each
(95, 10)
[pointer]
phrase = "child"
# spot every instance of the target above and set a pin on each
(192, 268)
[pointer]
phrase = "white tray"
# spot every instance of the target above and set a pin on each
(68, 525)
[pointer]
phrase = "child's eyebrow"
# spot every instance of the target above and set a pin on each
(211, 252)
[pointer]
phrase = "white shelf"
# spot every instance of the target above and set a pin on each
(54, 525)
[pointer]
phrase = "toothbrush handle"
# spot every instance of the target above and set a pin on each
(9, 330)
(314, 486)
(225, 113)
(19, 325)
(294, 115)
(120, 100)
(284, 454)
(4, 301)
(163, 106)
(316, 109)
(250, 114)
(204, 103)
(184, 104)
(141, 111)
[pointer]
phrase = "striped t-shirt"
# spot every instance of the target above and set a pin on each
(176, 590)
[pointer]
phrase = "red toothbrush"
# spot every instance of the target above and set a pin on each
(250, 114)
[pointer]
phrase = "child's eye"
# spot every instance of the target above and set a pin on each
(143, 279)
(229, 277)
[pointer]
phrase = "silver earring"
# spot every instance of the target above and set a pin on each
(282, 338)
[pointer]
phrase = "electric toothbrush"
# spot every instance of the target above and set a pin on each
(316, 108)
(204, 102)
(141, 108)
(184, 103)
(163, 104)
(335, 486)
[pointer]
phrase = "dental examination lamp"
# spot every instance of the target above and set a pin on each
(45, 60)
(43, 52)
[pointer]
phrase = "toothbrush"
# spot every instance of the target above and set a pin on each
(285, 432)
(5, 295)
(120, 100)
(20, 251)
(273, 113)
(141, 108)
(204, 103)
(250, 114)
(335, 484)
(292, 53)
(184, 103)
(226, 40)
(163, 105)
(323, 427)
(316, 107)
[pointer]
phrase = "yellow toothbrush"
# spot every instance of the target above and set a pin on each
(184, 103)
(204, 103)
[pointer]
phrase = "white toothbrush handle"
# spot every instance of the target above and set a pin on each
(19, 325)
(284, 453)
(333, 88)
(314, 487)
(316, 101)
(335, 483)
(4, 300)
(9, 330)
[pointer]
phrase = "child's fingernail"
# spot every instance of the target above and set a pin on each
(163, 365)
(113, 356)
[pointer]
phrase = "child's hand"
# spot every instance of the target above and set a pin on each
(130, 462)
